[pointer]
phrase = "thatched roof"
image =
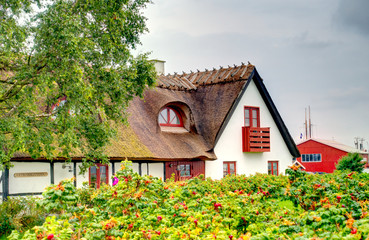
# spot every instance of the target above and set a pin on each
(204, 99)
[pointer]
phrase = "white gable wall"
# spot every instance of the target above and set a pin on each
(229, 145)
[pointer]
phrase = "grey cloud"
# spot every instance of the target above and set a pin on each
(353, 14)
(306, 41)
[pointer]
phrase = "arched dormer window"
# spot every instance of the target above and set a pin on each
(169, 117)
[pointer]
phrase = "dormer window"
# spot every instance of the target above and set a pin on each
(57, 106)
(54, 108)
(168, 117)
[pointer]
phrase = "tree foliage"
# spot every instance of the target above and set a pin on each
(352, 162)
(74, 50)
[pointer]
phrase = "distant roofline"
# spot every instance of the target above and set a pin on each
(331, 143)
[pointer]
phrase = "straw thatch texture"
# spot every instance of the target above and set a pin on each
(203, 100)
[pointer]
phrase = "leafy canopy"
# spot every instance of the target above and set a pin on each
(352, 162)
(79, 51)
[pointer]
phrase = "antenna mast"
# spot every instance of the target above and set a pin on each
(306, 128)
(309, 124)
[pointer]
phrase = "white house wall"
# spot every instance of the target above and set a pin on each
(80, 179)
(229, 145)
(156, 170)
(28, 184)
(21, 182)
(61, 173)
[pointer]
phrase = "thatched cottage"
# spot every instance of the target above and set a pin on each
(213, 122)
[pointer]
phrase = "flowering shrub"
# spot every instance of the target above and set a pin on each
(332, 206)
(59, 198)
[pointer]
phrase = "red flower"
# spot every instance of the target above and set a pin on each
(354, 231)
(50, 236)
(130, 226)
(160, 218)
(217, 205)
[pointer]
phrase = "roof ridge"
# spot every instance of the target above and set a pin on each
(207, 77)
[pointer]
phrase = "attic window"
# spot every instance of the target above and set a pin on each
(54, 108)
(168, 117)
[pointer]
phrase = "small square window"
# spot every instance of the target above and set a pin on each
(229, 168)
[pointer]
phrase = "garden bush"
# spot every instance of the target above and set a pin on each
(295, 206)
(351, 162)
(20, 213)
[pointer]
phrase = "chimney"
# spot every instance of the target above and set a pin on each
(159, 66)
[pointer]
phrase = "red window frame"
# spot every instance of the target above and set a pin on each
(228, 169)
(97, 183)
(271, 170)
(251, 114)
(168, 120)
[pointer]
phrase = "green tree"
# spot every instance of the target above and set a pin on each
(352, 162)
(67, 74)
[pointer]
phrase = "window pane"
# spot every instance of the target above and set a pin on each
(247, 117)
(162, 116)
(102, 174)
(93, 177)
(184, 170)
(231, 168)
(247, 122)
(275, 166)
(247, 113)
(254, 113)
(225, 169)
(93, 170)
(254, 122)
(173, 117)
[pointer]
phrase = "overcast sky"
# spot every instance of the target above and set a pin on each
(309, 53)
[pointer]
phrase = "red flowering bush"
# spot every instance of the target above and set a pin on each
(297, 206)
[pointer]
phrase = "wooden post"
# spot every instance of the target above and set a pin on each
(5, 184)
(140, 168)
(112, 171)
(75, 173)
(52, 178)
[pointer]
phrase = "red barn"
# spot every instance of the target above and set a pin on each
(322, 155)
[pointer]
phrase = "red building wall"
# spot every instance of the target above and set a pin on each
(330, 156)
(197, 168)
